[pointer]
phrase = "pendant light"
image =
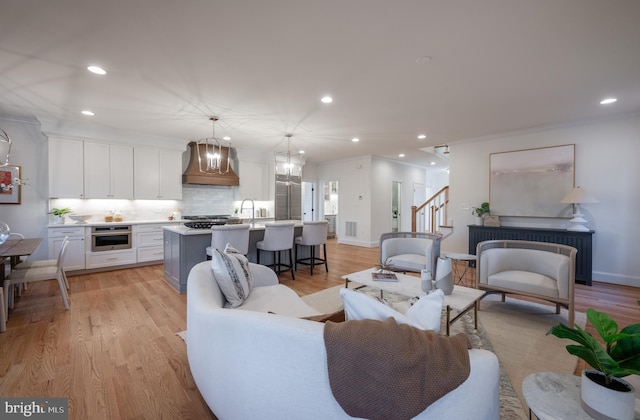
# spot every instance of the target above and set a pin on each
(289, 164)
(210, 153)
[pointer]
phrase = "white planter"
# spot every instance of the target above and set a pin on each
(479, 221)
(58, 220)
(601, 402)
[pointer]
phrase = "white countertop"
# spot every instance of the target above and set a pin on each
(124, 222)
(183, 230)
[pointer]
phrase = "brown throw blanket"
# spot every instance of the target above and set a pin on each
(383, 370)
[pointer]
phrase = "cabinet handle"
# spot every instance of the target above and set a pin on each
(113, 259)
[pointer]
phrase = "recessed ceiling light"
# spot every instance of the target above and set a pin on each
(301, 152)
(96, 70)
(89, 113)
(422, 136)
(401, 155)
(326, 99)
(608, 101)
(227, 138)
(355, 139)
(432, 163)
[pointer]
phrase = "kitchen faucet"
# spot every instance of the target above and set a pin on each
(253, 210)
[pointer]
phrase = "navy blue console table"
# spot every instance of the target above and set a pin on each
(582, 241)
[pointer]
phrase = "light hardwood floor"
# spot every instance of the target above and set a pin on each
(114, 353)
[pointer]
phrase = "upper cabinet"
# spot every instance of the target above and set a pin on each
(83, 169)
(256, 181)
(108, 171)
(66, 168)
(157, 174)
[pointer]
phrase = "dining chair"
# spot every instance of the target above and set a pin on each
(278, 237)
(314, 233)
(45, 263)
(55, 272)
(7, 266)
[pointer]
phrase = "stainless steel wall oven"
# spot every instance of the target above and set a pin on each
(109, 238)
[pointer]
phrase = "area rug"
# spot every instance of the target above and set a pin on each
(514, 330)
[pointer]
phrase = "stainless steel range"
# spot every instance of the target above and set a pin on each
(205, 221)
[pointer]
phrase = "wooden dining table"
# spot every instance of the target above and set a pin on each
(13, 249)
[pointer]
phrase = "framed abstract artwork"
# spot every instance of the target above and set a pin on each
(10, 191)
(532, 182)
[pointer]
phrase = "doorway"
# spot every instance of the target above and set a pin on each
(396, 202)
(330, 208)
(419, 197)
(308, 201)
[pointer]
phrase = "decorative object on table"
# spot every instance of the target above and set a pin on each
(80, 218)
(531, 183)
(387, 276)
(4, 232)
(603, 392)
(444, 276)
(480, 212)
(576, 197)
(426, 284)
(58, 214)
(491, 221)
(10, 184)
(385, 266)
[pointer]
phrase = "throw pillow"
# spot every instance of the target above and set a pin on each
(425, 314)
(231, 271)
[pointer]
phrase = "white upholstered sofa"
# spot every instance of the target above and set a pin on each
(541, 270)
(254, 365)
(411, 251)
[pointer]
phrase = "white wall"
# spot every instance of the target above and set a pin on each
(365, 195)
(30, 152)
(606, 165)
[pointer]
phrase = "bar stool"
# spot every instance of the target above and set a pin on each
(278, 237)
(313, 234)
(236, 234)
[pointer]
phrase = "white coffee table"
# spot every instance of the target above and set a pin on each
(551, 395)
(461, 300)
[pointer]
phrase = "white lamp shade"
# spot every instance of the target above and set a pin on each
(578, 195)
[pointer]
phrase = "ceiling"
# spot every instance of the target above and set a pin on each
(454, 70)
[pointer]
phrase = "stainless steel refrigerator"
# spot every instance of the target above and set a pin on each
(288, 205)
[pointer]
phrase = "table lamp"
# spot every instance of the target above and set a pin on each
(576, 197)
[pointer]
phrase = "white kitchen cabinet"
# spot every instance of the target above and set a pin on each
(65, 168)
(157, 174)
(108, 170)
(110, 258)
(149, 242)
(255, 180)
(74, 257)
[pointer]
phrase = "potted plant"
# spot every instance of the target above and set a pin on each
(602, 389)
(58, 214)
(480, 212)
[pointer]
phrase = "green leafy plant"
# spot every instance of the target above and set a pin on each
(60, 212)
(620, 357)
(482, 210)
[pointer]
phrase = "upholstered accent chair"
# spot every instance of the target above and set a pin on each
(411, 251)
(541, 270)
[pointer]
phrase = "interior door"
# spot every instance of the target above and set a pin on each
(396, 205)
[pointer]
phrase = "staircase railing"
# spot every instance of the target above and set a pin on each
(437, 212)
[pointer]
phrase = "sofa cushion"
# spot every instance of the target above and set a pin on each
(524, 281)
(425, 314)
(232, 273)
(278, 299)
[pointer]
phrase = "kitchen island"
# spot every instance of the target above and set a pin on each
(185, 247)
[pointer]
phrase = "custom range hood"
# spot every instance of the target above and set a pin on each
(196, 172)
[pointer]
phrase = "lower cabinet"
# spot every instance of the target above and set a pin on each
(149, 242)
(110, 258)
(74, 258)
